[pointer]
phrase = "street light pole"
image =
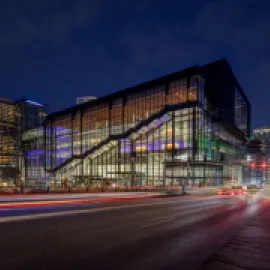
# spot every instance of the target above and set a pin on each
(132, 171)
(164, 173)
(188, 177)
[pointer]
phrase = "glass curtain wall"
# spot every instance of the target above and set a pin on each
(62, 132)
(100, 121)
(209, 155)
(8, 153)
(166, 152)
(241, 111)
(34, 155)
(178, 145)
(135, 160)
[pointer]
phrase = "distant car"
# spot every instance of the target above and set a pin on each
(225, 191)
(238, 190)
(229, 191)
(27, 190)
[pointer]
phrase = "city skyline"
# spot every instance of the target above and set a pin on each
(134, 134)
(67, 48)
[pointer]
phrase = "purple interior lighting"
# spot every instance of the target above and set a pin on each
(64, 139)
(63, 152)
(150, 147)
(58, 130)
(35, 152)
(125, 149)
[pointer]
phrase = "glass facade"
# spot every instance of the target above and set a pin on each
(30, 140)
(241, 111)
(263, 134)
(8, 153)
(30, 114)
(157, 135)
(33, 143)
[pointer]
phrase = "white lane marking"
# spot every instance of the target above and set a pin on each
(157, 222)
(187, 211)
(184, 222)
(39, 197)
(74, 200)
(29, 208)
(192, 215)
(87, 211)
(68, 202)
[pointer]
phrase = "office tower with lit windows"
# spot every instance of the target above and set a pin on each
(189, 127)
(256, 170)
(30, 139)
(263, 134)
(8, 151)
(30, 113)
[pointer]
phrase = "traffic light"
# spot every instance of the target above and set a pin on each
(263, 165)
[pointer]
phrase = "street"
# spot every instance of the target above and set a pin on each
(153, 233)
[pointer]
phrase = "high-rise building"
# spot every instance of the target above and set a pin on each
(256, 170)
(8, 151)
(30, 113)
(189, 127)
(30, 119)
(17, 118)
(33, 172)
(263, 134)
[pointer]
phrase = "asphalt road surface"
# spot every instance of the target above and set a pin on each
(166, 233)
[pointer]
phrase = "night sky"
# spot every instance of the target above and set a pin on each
(55, 50)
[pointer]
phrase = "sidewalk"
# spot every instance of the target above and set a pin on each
(249, 250)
